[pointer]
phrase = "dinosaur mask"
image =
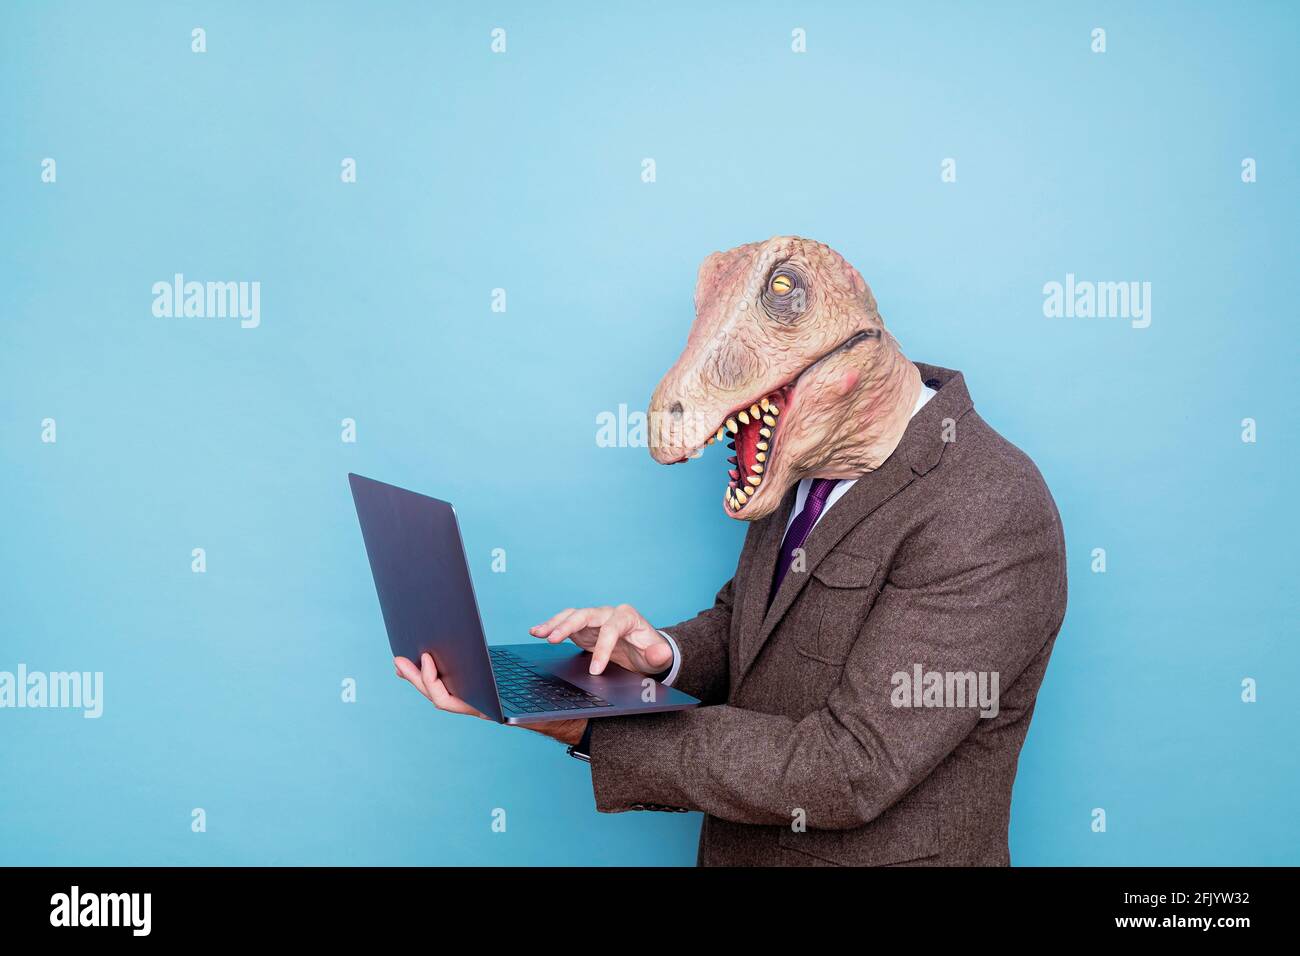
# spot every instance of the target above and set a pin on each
(789, 365)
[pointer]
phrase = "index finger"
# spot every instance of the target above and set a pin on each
(610, 633)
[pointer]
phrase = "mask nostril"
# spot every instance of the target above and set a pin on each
(676, 410)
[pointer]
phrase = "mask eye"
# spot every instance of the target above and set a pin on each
(781, 284)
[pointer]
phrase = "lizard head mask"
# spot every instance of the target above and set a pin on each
(789, 365)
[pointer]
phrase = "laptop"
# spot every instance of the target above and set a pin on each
(418, 561)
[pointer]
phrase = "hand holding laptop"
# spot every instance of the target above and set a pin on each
(425, 679)
(619, 634)
(430, 611)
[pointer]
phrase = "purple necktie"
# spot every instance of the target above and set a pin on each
(797, 533)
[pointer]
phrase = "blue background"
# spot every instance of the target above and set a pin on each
(522, 171)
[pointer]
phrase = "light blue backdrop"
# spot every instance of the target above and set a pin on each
(522, 171)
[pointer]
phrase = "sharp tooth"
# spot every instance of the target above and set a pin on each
(769, 420)
(731, 459)
(753, 410)
(744, 419)
(710, 441)
(774, 410)
(742, 496)
(734, 474)
(760, 457)
(765, 432)
(753, 479)
(765, 404)
(722, 433)
(756, 468)
(761, 446)
(732, 426)
(731, 445)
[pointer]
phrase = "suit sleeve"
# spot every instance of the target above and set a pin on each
(703, 642)
(990, 605)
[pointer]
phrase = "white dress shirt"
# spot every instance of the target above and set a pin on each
(801, 496)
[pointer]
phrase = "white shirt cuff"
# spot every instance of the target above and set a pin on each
(677, 659)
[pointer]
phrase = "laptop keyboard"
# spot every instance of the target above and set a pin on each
(526, 690)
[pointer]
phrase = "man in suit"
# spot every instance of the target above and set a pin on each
(871, 668)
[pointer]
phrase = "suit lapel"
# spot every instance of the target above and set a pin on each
(758, 575)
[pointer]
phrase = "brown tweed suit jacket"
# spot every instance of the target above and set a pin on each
(949, 557)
